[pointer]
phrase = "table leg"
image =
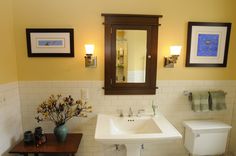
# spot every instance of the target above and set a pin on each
(72, 154)
(25, 154)
(36, 154)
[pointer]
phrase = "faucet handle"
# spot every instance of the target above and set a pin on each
(120, 111)
(154, 108)
(130, 114)
(140, 111)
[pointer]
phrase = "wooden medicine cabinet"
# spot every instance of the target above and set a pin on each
(130, 53)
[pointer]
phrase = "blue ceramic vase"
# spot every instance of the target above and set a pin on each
(61, 132)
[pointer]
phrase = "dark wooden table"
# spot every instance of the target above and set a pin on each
(69, 147)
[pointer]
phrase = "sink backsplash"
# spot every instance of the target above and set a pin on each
(170, 99)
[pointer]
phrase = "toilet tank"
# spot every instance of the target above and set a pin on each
(206, 137)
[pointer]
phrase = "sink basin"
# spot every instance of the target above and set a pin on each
(131, 126)
(111, 129)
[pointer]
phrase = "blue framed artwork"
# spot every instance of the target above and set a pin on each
(207, 44)
(42, 43)
(50, 42)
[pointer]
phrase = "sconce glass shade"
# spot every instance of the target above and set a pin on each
(89, 48)
(90, 60)
(175, 50)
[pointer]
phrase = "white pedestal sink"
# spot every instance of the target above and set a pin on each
(134, 131)
(133, 149)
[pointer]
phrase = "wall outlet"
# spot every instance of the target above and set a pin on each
(84, 94)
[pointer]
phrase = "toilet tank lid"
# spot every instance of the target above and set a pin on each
(205, 125)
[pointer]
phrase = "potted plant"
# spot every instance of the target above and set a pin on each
(59, 110)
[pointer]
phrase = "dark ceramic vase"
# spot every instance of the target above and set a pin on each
(61, 132)
(28, 137)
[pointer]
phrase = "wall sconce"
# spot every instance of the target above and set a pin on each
(174, 52)
(90, 60)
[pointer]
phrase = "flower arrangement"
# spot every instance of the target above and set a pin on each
(61, 109)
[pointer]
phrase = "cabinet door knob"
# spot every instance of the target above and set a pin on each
(149, 56)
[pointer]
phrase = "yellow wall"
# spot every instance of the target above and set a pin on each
(85, 17)
(8, 68)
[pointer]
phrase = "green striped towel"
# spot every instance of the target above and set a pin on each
(200, 101)
(204, 101)
(217, 100)
(195, 99)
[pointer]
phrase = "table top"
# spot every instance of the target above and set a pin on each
(51, 146)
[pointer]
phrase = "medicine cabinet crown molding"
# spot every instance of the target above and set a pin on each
(127, 70)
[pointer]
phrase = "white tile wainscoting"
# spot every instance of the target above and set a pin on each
(170, 98)
(10, 117)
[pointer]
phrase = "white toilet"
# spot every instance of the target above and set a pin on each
(206, 137)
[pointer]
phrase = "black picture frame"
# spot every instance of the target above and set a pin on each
(50, 42)
(207, 44)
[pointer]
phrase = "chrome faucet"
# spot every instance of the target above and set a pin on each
(130, 114)
(154, 108)
(139, 112)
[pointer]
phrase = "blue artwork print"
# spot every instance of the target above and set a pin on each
(50, 43)
(208, 45)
